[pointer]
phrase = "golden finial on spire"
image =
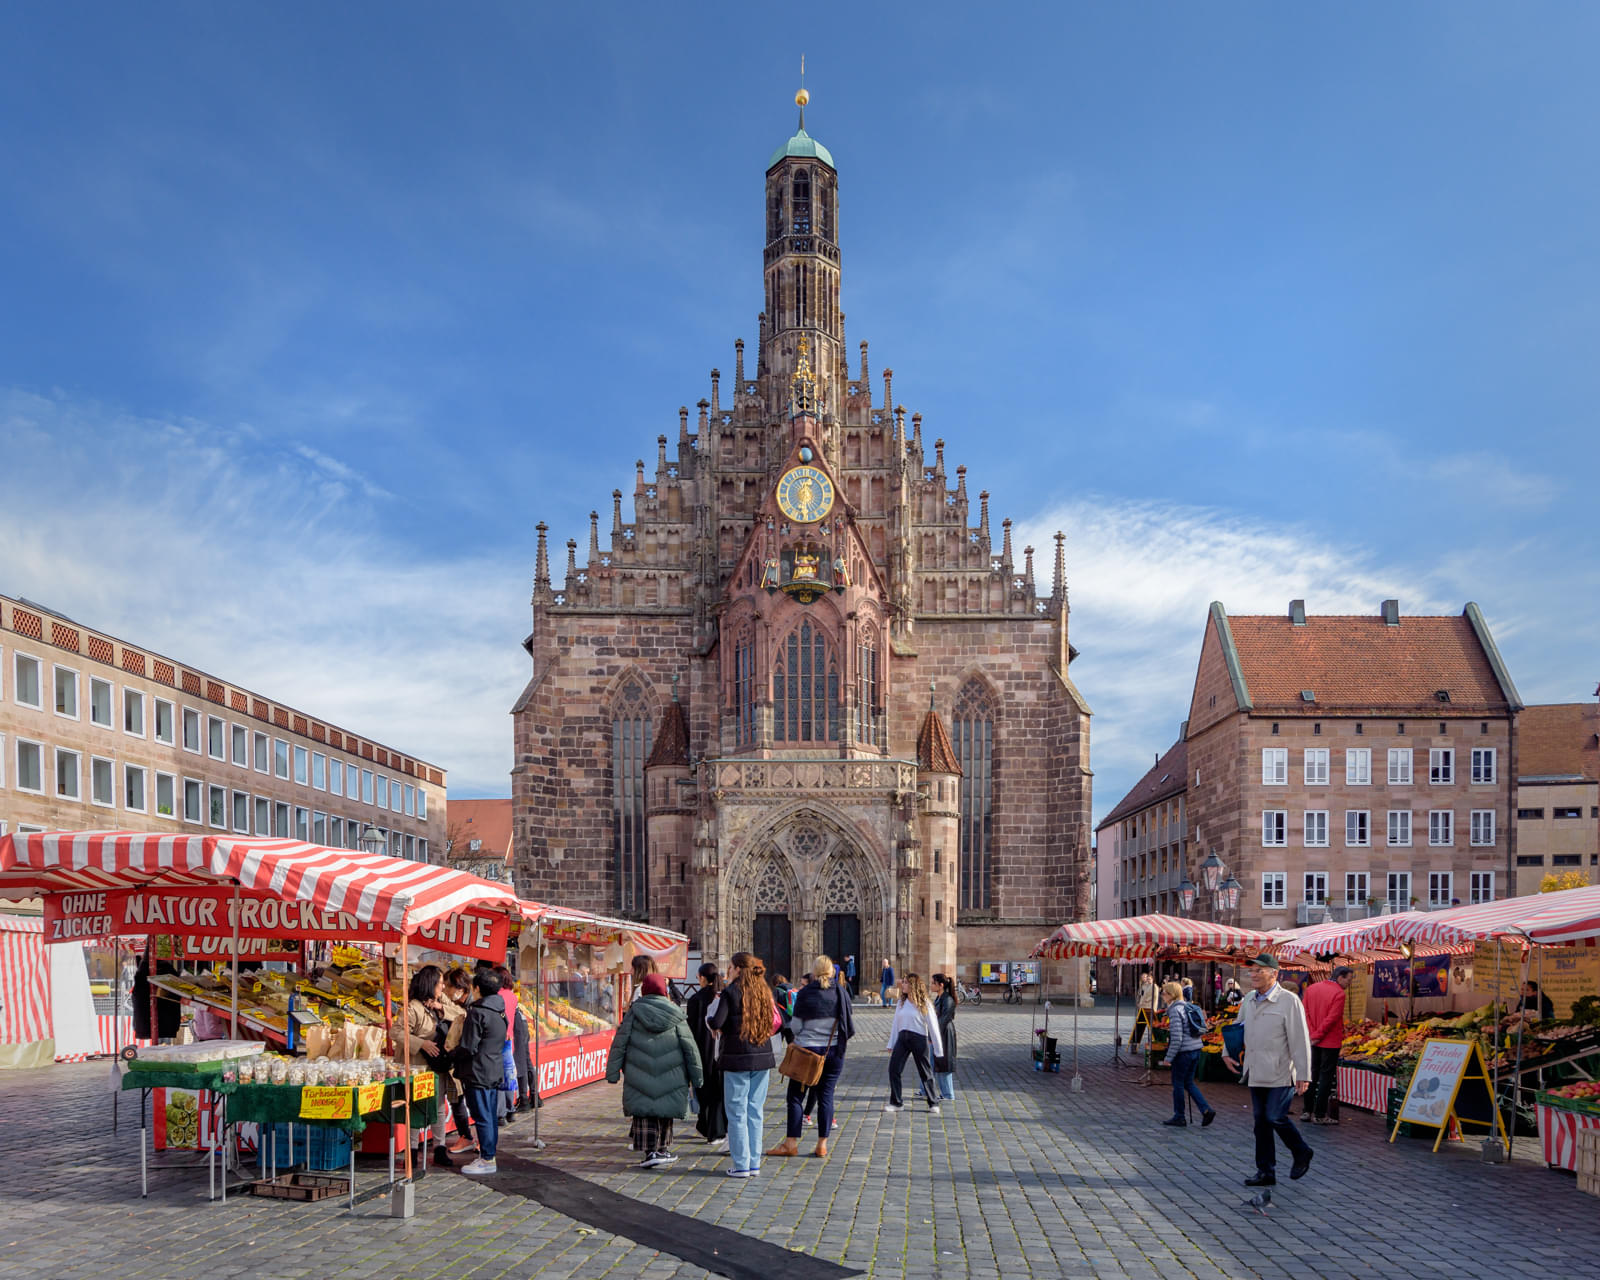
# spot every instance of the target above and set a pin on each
(803, 385)
(801, 98)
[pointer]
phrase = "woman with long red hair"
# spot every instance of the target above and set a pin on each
(747, 1019)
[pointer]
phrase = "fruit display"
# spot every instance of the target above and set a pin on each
(337, 996)
(563, 1018)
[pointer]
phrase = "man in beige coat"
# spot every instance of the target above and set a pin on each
(1277, 1066)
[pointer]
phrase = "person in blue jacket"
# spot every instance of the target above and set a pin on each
(886, 981)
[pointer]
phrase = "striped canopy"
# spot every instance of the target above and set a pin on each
(24, 981)
(658, 943)
(1154, 937)
(1370, 938)
(376, 889)
(1576, 920)
(1565, 916)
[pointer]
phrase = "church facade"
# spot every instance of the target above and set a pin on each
(797, 697)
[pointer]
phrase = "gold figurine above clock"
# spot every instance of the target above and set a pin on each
(805, 495)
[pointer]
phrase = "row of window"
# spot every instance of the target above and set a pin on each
(1358, 828)
(1358, 766)
(1561, 811)
(1358, 888)
(213, 736)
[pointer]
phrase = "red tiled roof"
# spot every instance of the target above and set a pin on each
(1559, 739)
(672, 741)
(485, 820)
(934, 752)
(1167, 777)
(1364, 662)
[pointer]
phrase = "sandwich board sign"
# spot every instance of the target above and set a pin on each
(1451, 1083)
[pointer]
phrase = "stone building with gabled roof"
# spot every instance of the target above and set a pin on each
(725, 727)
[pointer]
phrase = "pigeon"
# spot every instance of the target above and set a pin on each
(1261, 1201)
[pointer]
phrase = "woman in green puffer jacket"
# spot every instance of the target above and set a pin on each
(655, 1056)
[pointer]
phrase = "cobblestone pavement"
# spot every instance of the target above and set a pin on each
(1019, 1177)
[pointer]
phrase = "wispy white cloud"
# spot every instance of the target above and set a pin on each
(340, 471)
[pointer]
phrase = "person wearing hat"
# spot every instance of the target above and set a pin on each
(1277, 1067)
(655, 1056)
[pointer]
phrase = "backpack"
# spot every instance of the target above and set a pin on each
(1194, 1017)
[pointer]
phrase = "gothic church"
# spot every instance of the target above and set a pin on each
(800, 700)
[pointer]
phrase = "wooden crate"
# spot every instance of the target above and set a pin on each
(1588, 1161)
(301, 1186)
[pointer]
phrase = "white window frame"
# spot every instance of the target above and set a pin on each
(1481, 828)
(1316, 766)
(335, 831)
(1399, 828)
(1361, 883)
(302, 824)
(216, 801)
(1315, 884)
(261, 752)
(319, 827)
(17, 762)
(17, 659)
(282, 819)
(1358, 766)
(411, 847)
(1442, 828)
(1316, 828)
(1358, 828)
(173, 779)
(134, 698)
(411, 801)
(280, 759)
(396, 796)
(96, 684)
(190, 716)
(111, 781)
(262, 808)
(1478, 883)
(1274, 828)
(302, 766)
(56, 672)
(243, 828)
(76, 794)
(1441, 766)
(1485, 768)
(1401, 881)
(319, 771)
(1400, 766)
(171, 738)
(381, 792)
(199, 794)
(422, 848)
(352, 780)
(239, 737)
(128, 770)
(1274, 766)
(217, 729)
(422, 805)
(366, 786)
(335, 776)
(1274, 890)
(1441, 888)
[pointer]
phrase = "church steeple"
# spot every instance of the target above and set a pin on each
(801, 267)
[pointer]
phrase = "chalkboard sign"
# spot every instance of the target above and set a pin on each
(1451, 1083)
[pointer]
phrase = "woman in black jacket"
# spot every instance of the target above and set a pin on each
(822, 1023)
(944, 1009)
(747, 1017)
(480, 1066)
(712, 1122)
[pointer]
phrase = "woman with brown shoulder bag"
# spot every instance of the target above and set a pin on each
(818, 1031)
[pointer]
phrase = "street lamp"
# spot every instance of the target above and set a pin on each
(371, 840)
(1228, 894)
(1212, 871)
(1186, 892)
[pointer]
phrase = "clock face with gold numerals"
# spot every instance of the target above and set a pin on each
(805, 495)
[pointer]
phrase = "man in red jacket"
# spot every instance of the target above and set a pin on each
(1324, 1003)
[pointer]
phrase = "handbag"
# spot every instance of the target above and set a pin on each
(804, 1066)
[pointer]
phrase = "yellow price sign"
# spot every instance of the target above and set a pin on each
(326, 1102)
(422, 1086)
(369, 1097)
(347, 957)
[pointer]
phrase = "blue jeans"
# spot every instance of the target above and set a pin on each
(947, 1084)
(1184, 1066)
(485, 1107)
(883, 992)
(1271, 1107)
(744, 1093)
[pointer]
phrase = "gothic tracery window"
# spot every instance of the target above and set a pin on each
(973, 739)
(744, 684)
(801, 204)
(842, 896)
(805, 688)
(771, 891)
(869, 694)
(630, 746)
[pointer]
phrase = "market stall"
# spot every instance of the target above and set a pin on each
(46, 1010)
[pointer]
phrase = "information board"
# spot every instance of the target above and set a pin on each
(1497, 970)
(1451, 1082)
(1566, 973)
(1355, 1000)
(995, 972)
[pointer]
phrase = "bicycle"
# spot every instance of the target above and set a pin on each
(969, 995)
(1012, 994)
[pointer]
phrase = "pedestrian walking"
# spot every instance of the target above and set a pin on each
(711, 1122)
(945, 1000)
(508, 1091)
(822, 1022)
(1277, 1067)
(850, 976)
(1324, 1005)
(1186, 1024)
(1145, 1003)
(885, 981)
(655, 1056)
(915, 1035)
(481, 1067)
(747, 1018)
(1216, 990)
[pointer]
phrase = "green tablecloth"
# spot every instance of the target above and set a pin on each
(279, 1103)
(211, 1080)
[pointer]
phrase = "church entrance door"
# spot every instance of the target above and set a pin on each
(841, 937)
(769, 939)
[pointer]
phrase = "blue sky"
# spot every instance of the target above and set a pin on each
(313, 311)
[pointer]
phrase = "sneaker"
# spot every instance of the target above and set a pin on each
(664, 1157)
(1175, 1122)
(739, 1173)
(934, 1109)
(480, 1167)
(894, 1106)
(718, 1144)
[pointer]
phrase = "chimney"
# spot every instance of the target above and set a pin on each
(1391, 613)
(1297, 612)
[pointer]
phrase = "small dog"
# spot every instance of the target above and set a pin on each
(870, 998)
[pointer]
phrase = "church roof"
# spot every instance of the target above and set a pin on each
(934, 752)
(672, 742)
(805, 146)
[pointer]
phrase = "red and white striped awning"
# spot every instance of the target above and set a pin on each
(1152, 937)
(1370, 938)
(1575, 920)
(646, 940)
(1568, 915)
(24, 981)
(390, 892)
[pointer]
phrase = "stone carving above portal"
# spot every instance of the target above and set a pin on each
(846, 781)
